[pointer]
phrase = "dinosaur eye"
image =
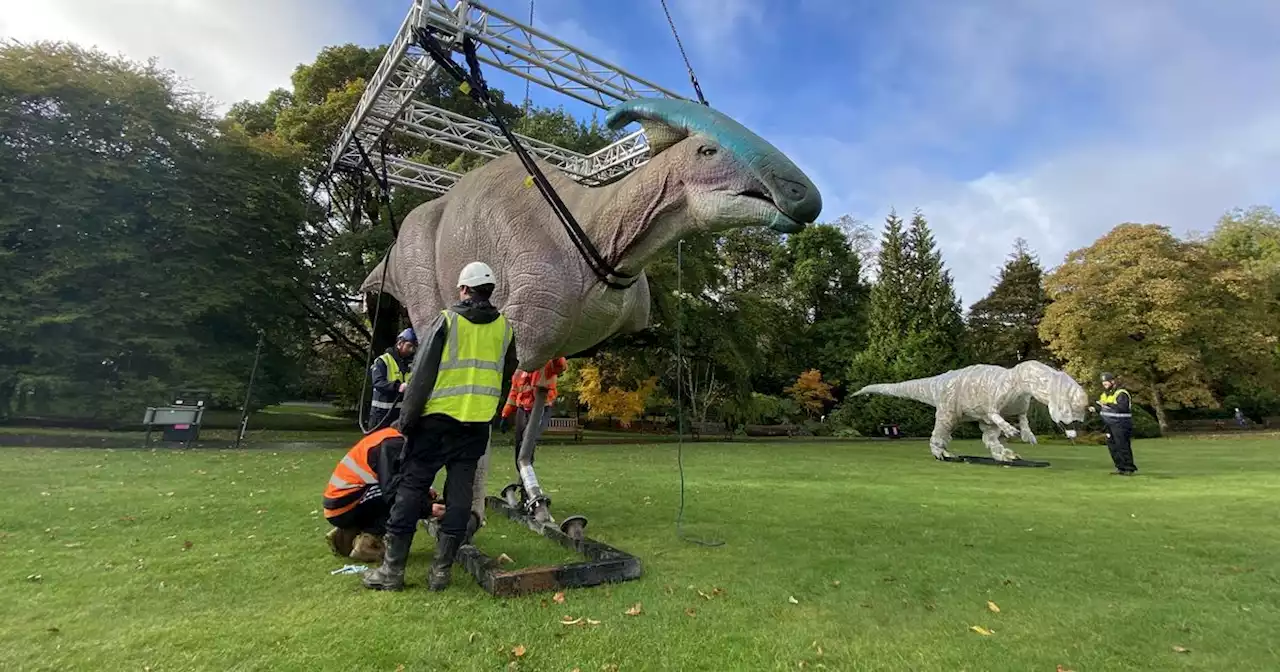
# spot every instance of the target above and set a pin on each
(706, 150)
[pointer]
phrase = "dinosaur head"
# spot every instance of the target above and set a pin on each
(730, 177)
(1067, 401)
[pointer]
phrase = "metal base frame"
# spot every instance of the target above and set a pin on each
(979, 459)
(604, 564)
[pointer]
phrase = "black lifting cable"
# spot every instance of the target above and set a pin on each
(384, 188)
(473, 84)
(692, 77)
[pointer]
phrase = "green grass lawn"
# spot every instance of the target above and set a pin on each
(857, 556)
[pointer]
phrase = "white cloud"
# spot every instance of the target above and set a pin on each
(229, 49)
(1191, 126)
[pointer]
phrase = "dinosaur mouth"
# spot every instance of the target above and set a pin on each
(778, 220)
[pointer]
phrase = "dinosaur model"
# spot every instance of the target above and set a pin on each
(986, 393)
(705, 173)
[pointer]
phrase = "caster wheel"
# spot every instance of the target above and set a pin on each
(575, 527)
(511, 494)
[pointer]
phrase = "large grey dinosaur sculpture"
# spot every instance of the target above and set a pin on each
(706, 172)
(986, 393)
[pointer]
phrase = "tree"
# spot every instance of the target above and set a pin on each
(606, 400)
(1004, 326)
(830, 298)
(1163, 314)
(933, 311)
(811, 393)
(143, 245)
(891, 294)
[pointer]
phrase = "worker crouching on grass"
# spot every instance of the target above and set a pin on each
(461, 377)
(357, 499)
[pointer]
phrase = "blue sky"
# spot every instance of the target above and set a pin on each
(1050, 120)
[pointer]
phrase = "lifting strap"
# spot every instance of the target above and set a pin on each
(473, 84)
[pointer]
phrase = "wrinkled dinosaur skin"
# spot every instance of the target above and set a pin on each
(706, 173)
(985, 393)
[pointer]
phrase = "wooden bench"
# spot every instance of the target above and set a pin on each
(564, 426)
(697, 429)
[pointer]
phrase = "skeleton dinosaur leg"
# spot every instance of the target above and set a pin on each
(1024, 424)
(991, 439)
(539, 503)
(943, 424)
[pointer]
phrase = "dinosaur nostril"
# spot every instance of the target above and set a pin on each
(793, 191)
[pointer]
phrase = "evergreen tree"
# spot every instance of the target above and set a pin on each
(933, 310)
(1004, 326)
(887, 321)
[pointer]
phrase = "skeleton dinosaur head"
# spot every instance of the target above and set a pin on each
(730, 176)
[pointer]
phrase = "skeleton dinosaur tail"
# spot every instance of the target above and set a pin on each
(923, 390)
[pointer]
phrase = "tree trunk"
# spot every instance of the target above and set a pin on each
(1158, 400)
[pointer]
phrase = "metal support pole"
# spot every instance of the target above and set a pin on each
(244, 409)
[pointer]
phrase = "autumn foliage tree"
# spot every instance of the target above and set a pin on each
(606, 399)
(1164, 314)
(811, 393)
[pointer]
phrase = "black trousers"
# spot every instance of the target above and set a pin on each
(381, 418)
(438, 441)
(367, 516)
(1118, 438)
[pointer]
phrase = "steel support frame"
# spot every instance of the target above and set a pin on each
(604, 563)
(505, 43)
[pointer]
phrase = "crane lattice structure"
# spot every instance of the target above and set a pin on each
(390, 102)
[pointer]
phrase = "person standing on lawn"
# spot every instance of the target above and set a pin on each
(390, 373)
(1115, 408)
(357, 498)
(460, 381)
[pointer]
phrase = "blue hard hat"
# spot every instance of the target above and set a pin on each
(408, 335)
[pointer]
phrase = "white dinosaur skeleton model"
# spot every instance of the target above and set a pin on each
(986, 394)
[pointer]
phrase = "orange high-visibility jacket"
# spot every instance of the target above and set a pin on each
(363, 472)
(523, 384)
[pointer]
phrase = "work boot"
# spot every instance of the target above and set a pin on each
(442, 566)
(367, 548)
(340, 541)
(390, 576)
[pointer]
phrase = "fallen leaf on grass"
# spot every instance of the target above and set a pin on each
(518, 651)
(559, 597)
(993, 607)
(690, 612)
(635, 610)
(1181, 649)
(504, 559)
(704, 595)
(836, 583)
(609, 667)
(186, 545)
(399, 668)
(472, 637)
(1063, 669)
(34, 577)
(981, 630)
(793, 600)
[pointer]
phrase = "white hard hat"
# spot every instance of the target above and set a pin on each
(475, 274)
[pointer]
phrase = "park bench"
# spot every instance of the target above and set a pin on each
(564, 426)
(697, 429)
(180, 421)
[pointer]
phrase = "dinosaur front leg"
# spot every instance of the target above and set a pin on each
(1004, 426)
(1024, 424)
(539, 504)
(478, 490)
(943, 424)
(991, 439)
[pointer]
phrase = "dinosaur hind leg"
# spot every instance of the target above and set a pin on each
(991, 439)
(941, 438)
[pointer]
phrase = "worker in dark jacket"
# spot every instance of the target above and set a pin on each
(1115, 407)
(461, 379)
(390, 374)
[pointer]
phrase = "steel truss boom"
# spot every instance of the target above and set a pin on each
(389, 104)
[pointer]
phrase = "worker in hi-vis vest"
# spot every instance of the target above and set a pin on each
(461, 379)
(357, 499)
(1116, 410)
(390, 373)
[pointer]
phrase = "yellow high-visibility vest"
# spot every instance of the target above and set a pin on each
(469, 384)
(394, 374)
(1111, 398)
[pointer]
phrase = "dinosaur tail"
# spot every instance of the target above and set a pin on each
(920, 389)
